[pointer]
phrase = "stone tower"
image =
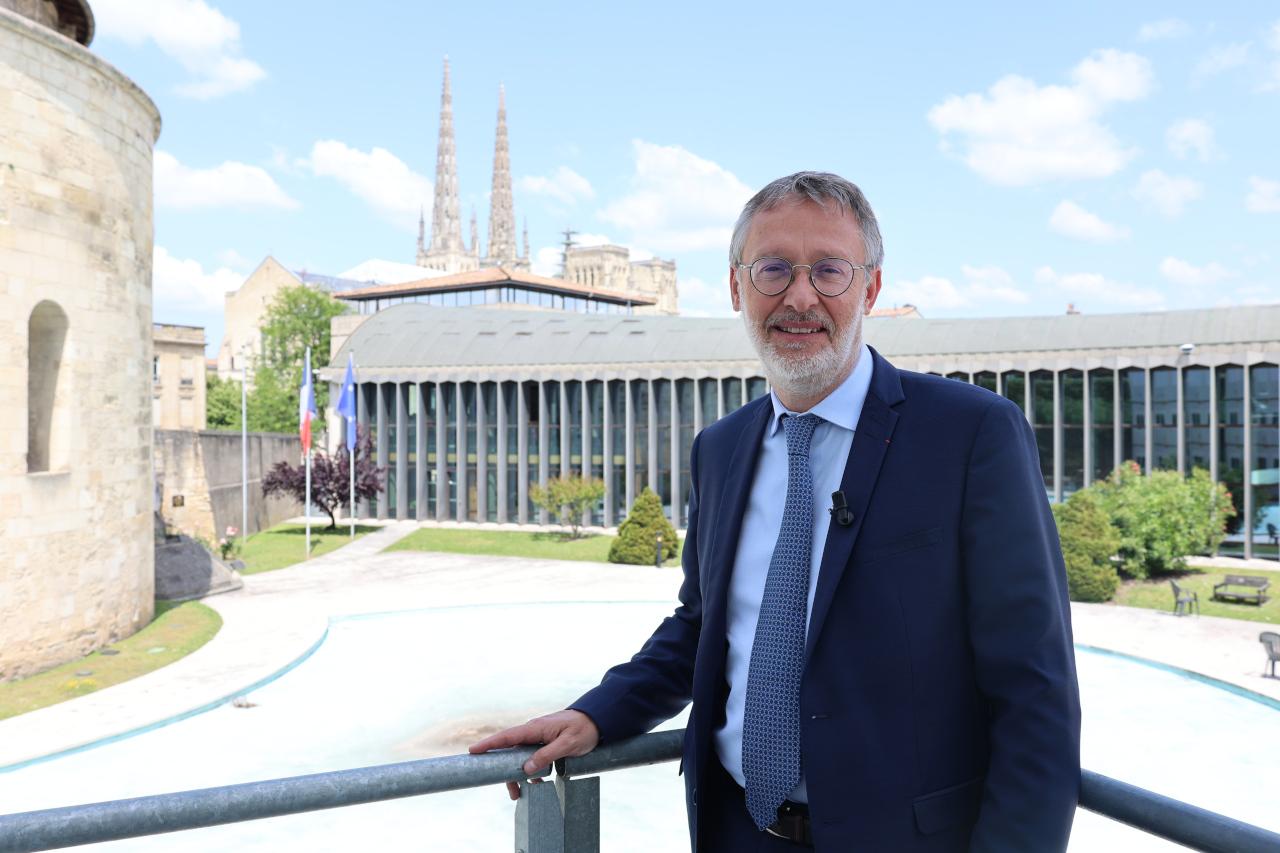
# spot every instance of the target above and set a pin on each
(447, 251)
(502, 214)
(77, 562)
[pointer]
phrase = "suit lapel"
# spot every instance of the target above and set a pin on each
(871, 440)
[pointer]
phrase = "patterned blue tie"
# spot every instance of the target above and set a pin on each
(771, 721)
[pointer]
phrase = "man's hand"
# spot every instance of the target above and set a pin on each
(564, 733)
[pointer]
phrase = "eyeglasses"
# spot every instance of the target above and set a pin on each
(829, 276)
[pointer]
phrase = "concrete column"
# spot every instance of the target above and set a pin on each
(442, 451)
(653, 436)
(460, 424)
(719, 397)
(566, 443)
(1247, 481)
(1087, 415)
(676, 456)
(606, 441)
(402, 452)
(1178, 421)
(697, 406)
(630, 455)
(1000, 382)
(381, 451)
(1026, 397)
(503, 452)
(482, 453)
(1057, 436)
(420, 450)
(522, 452)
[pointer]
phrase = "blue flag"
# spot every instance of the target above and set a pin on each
(347, 402)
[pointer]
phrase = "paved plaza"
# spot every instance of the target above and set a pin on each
(278, 617)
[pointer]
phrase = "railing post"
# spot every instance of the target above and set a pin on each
(580, 802)
(539, 823)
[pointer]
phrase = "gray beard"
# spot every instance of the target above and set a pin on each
(804, 375)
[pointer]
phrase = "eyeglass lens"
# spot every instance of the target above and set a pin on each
(831, 276)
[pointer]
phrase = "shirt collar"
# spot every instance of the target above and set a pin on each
(842, 406)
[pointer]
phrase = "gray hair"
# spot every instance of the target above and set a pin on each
(819, 187)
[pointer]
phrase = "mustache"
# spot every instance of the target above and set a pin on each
(786, 317)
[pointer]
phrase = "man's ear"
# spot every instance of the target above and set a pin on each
(873, 291)
(733, 288)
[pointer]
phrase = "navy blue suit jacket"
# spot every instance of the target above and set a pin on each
(939, 704)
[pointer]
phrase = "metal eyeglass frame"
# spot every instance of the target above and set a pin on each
(752, 277)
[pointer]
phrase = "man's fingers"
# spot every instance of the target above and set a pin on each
(513, 790)
(514, 736)
(564, 745)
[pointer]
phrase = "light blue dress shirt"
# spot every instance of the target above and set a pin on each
(828, 453)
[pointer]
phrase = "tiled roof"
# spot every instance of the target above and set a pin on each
(497, 276)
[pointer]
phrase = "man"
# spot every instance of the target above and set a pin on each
(873, 625)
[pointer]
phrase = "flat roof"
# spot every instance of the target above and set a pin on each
(495, 276)
(418, 335)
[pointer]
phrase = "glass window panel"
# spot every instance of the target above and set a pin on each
(573, 394)
(1042, 423)
(959, 376)
(510, 403)
(1015, 388)
(409, 392)
(618, 447)
(449, 411)
(595, 403)
(1072, 400)
(708, 394)
(1133, 416)
(684, 396)
(1230, 382)
(757, 387)
(1195, 418)
(389, 420)
(429, 427)
(1164, 416)
(640, 410)
(986, 379)
(662, 406)
(1264, 431)
(551, 396)
(732, 394)
(1102, 422)
(469, 464)
(489, 393)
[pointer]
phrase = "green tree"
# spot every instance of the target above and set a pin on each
(273, 403)
(1088, 542)
(222, 403)
(1164, 517)
(568, 499)
(298, 317)
(637, 538)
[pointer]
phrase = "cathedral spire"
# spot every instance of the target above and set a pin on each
(475, 234)
(446, 225)
(422, 236)
(502, 216)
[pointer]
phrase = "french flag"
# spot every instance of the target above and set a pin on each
(306, 405)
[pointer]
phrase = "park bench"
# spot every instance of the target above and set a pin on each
(1255, 591)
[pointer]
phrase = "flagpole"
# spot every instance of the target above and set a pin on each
(306, 448)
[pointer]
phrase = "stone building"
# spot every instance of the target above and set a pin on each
(177, 377)
(468, 408)
(76, 497)
(611, 268)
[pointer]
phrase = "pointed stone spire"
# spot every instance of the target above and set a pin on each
(422, 237)
(446, 251)
(502, 215)
(475, 234)
(526, 238)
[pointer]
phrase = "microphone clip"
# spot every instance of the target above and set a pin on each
(840, 511)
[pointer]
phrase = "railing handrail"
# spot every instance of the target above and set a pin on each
(49, 829)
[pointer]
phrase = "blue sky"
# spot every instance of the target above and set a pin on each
(1121, 157)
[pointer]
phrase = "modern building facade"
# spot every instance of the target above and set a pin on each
(468, 408)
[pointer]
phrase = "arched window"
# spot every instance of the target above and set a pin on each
(48, 407)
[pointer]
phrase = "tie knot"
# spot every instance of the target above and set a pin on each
(799, 431)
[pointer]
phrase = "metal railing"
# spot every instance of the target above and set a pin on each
(559, 818)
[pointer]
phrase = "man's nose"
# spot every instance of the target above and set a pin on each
(802, 295)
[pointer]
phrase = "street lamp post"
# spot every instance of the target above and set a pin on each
(244, 445)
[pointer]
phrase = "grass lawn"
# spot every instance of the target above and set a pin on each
(1158, 595)
(177, 630)
(512, 543)
(285, 544)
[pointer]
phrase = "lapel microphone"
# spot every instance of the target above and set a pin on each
(840, 511)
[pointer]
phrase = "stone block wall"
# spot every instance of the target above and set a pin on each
(205, 469)
(76, 545)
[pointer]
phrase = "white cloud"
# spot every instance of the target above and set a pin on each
(379, 177)
(1168, 28)
(565, 186)
(1083, 286)
(1264, 196)
(1072, 220)
(700, 298)
(233, 259)
(200, 38)
(546, 261)
(182, 285)
(1222, 58)
(228, 184)
(1272, 81)
(1183, 272)
(678, 201)
(989, 284)
(1190, 136)
(926, 292)
(1020, 133)
(1168, 194)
